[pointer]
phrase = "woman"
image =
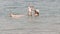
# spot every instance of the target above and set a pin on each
(30, 9)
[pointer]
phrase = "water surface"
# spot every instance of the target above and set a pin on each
(48, 22)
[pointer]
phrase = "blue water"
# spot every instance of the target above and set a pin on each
(48, 22)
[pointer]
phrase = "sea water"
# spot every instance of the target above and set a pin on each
(48, 21)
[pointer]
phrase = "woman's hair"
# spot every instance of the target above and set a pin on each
(36, 12)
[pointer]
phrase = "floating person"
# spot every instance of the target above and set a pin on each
(36, 12)
(16, 16)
